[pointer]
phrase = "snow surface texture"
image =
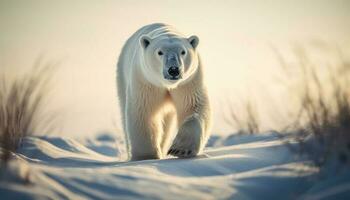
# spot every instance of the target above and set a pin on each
(234, 167)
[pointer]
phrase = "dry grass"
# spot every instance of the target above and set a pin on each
(321, 120)
(322, 123)
(21, 101)
(247, 122)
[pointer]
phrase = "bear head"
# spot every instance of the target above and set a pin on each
(169, 61)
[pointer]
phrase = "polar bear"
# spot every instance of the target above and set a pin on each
(161, 87)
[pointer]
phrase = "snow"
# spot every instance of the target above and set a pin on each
(233, 167)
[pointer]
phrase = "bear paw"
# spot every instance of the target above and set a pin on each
(186, 144)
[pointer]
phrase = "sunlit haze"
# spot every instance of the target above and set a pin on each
(237, 39)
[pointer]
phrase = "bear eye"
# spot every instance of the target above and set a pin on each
(183, 52)
(160, 53)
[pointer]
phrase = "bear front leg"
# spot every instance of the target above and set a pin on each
(194, 117)
(143, 134)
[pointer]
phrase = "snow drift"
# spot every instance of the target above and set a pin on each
(234, 167)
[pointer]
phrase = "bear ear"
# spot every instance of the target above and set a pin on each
(145, 41)
(193, 40)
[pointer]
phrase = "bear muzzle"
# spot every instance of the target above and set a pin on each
(173, 73)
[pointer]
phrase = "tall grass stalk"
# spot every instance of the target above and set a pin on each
(21, 101)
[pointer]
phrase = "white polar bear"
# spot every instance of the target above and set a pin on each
(160, 79)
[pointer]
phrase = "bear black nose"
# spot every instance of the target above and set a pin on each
(173, 71)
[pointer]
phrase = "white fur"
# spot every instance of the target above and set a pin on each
(150, 103)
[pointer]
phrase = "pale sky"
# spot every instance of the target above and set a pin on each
(235, 45)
